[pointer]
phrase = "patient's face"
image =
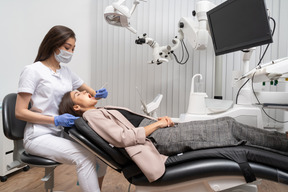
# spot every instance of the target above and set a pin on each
(83, 99)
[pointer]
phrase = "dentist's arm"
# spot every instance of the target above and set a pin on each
(98, 94)
(23, 113)
(84, 86)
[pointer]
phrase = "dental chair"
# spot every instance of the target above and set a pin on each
(239, 168)
(14, 130)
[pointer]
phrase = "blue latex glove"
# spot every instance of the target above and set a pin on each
(65, 120)
(101, 93)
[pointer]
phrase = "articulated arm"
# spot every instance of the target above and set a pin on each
(195, 32)
(269, 71)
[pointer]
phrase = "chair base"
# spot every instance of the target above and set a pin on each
(209, 184)
(48, 164)
(49, 178)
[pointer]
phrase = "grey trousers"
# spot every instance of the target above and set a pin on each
(220, 132)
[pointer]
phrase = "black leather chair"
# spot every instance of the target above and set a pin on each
(14, 130)
(239, 168)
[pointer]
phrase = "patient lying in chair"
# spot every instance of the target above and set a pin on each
(141, 135)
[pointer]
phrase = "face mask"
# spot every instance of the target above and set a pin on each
(63, 56)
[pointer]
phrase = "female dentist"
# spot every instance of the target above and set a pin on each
(42, 84)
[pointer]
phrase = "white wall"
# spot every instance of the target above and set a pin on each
(23, 25)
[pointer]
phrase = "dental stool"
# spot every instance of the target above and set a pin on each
(14, 130)
(239, 168)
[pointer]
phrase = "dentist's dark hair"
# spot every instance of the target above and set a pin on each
(54, 39)
(66, 106)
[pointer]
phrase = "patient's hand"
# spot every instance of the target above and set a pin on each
(161, 123)
(165, 122)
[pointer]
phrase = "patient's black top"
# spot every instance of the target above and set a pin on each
(133, 118)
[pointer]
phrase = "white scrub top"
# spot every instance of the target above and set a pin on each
(47, 88)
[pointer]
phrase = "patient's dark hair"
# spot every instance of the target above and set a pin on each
(66, 105)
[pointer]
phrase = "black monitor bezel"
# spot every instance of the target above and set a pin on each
(240, 46)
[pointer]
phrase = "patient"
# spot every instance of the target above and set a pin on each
(141, 135)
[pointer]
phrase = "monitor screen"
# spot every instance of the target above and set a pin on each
(239, 24)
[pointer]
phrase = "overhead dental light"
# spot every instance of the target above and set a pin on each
(119, 15)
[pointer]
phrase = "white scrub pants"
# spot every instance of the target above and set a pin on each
(66, 151)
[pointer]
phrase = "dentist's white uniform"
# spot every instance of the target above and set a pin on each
(47, 88)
